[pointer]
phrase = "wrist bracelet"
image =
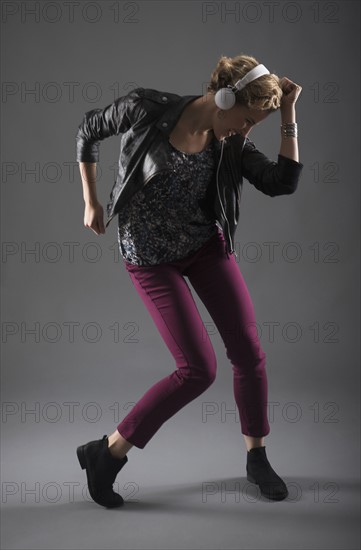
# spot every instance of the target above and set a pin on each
(289, 129)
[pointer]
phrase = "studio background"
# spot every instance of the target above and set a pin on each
(79, 347)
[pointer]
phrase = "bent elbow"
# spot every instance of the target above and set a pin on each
(288, 189)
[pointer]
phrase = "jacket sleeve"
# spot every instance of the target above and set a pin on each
(270, 177)
(99, 124)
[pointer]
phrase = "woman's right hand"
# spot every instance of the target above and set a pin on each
(291, 91)
(93, 217)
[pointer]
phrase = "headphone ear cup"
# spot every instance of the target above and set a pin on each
(225, 98)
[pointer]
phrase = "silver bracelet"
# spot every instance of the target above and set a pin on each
(289, 129)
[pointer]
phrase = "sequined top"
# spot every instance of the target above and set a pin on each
(163, 221)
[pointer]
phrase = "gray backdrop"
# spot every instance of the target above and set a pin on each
(79, 347)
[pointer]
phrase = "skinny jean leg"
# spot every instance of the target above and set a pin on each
(170, 303)
(220, 285)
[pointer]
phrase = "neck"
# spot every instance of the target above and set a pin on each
(198, 116)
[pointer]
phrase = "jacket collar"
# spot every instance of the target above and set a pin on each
(169, 118)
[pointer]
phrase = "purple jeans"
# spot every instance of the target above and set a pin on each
(219, 283)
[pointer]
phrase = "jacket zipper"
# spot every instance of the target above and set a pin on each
(109, 220)
(224, 213)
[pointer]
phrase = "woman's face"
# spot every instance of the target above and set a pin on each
(237, 120)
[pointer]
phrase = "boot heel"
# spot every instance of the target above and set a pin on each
(250, 478)
(81, 457)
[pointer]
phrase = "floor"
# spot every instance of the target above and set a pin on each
(185, 490)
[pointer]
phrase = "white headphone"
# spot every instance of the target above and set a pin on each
(225, 98)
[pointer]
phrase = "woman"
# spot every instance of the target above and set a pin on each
(177, 197)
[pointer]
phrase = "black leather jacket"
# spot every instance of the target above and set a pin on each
(144, 118)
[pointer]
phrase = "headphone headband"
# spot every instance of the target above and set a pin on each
(254, 73)
(225, 98)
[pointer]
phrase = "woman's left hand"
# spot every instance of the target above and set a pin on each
(291, 91)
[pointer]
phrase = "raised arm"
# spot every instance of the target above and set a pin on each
(281, 177)
(291, 91)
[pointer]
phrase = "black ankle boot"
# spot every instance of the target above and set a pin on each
(260, 471)
(101, 470)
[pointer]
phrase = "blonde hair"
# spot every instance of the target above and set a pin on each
(263, 94)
